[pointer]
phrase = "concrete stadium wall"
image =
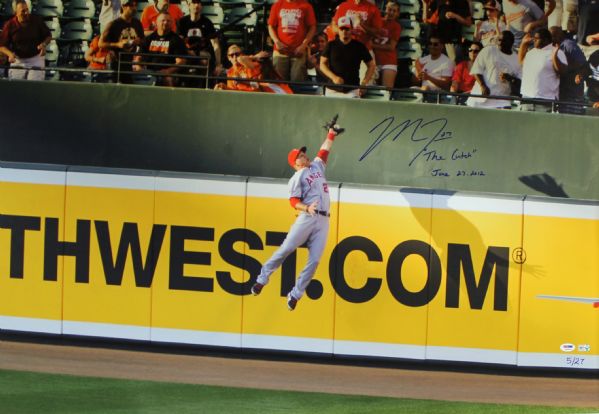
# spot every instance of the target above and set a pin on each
(406, 274)
(387, 143)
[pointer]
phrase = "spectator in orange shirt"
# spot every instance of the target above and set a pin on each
(242, 66)
(151, 12)
(96, 55)
(385, 45)
(291, 26)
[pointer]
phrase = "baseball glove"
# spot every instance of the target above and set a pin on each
(332, 124)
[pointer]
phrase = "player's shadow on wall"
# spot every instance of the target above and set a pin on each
(543, 183)
(472, 235)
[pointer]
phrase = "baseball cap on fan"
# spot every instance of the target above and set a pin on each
(127, 2)
(344, 22)
(293, 154)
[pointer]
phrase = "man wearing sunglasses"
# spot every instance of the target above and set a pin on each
(497, 72)
(243, 66)
(433, 72)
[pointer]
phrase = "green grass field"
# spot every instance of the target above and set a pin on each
(26, 392)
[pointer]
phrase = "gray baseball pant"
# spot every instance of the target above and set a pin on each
(314, 230)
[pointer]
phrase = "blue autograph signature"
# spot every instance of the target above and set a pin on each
(427, 132)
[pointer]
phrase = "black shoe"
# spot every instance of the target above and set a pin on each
(291, 301)
(257, 288)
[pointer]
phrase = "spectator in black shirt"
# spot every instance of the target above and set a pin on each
(341, 60)
(124, 34)
(201, 39)
(163, 41)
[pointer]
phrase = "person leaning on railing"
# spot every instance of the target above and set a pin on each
(497, 71)
(163, 41)
(95, 56)
(23, 40)
(243, 66)
(121, 37)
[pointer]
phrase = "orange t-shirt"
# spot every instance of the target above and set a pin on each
(391, 31)
(279, 88)
(365, 12)
(97, 52)
(291, 21)
(241, 71)
(150, 13)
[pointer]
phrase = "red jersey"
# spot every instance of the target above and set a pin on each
(461, 75)
(150, 13)
(291, 21)
(366, 13)
(391, 31)
(240, 71)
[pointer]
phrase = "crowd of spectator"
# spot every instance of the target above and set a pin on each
(540, 50)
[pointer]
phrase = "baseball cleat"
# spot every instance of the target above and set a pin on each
(291, 302)
(257, 288)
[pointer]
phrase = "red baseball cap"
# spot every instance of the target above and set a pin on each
(292, 156)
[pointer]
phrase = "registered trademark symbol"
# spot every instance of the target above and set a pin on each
(519, 255)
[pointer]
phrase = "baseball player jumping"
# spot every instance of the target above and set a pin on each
(308, 193)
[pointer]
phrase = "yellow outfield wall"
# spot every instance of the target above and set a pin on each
(406, 273)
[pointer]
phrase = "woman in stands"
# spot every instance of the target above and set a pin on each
(462, 81)
(385, 45)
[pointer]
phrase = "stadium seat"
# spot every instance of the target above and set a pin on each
(141, 5)
(410, 28)
(307, 89)
(377, 94)
(54, 25)
(478, 11)
(407, 96)
(48, 8)
(215, 13)
(409, 49)
(77, 30)
(52, 53)
(80, 9)
(184, 6)
(468, 32)
(231, 15)
(230, 2)
(409, 7)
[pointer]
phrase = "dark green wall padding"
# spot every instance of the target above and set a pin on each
(249, 134)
